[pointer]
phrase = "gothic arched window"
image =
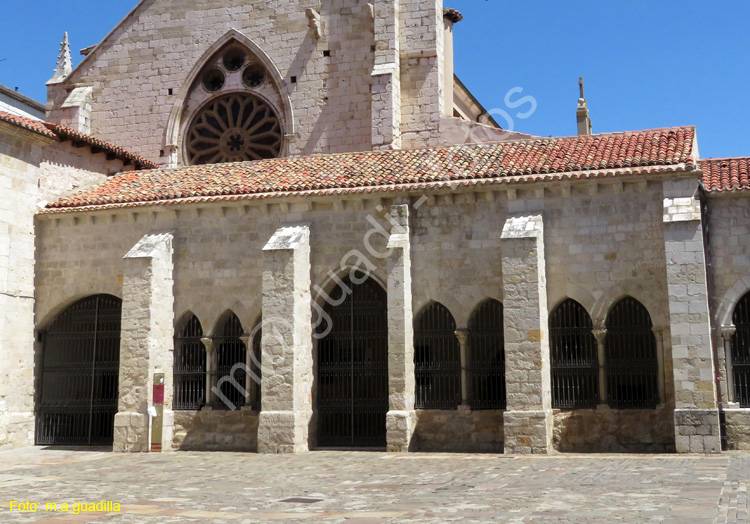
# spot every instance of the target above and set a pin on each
(486, 357)
(574, 357)
(233, 109)
(437, 359)
(630, 361)
(189, 366)
(231, 359)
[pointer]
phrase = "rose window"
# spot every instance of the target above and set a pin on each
(234, 128)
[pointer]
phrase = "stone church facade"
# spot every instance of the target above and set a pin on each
(319, 238)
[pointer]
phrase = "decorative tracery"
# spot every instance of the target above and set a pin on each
(234, 128)
(233, 116)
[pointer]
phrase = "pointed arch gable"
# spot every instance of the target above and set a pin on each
(487, 302)
(322, 291)
(183, 319)
(174, 124)
(579, 294)
(48, 315)
(436, 305)
(226, 317)
(635, 289)
(644, 317)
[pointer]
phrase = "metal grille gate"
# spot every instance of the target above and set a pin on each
(80, 373)
(230, 351)
(353, 366)
(630, 359)
(437, 359)
(574, 357)
(189, 367)
(741, 351)
(486, 357)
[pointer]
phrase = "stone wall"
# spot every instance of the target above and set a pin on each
(461, 431)
(327, 79)
(606, 430)
(738, 428)
(33, 170)
(600, 243)
(215, 430)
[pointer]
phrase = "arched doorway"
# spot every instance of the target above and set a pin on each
(353, 366)
(80, 373)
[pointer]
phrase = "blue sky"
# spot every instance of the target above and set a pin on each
(646, 63)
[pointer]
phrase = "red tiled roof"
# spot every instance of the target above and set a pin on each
(37, 126)
(63, 133)
(661, 150)
(726, 174)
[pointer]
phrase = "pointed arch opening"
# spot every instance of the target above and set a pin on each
(437, 359)
(230, 365)
(80, 374)
(740, 344)
(189, 365)
(574, 357)
(631, 362)
(486, 357)
(352, 368)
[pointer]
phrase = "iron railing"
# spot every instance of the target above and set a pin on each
(80, 373)
(189, 367)
(353, 366)
(486, 357)
(630, 360)
(741, 351)
(574, 357)
(437, 359)
(230, 351)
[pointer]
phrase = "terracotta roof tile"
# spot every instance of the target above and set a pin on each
(36, 126)
(726, 174)
(63, 133)
(658, 150)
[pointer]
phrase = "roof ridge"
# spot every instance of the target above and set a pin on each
(431, 148)
(715, 159)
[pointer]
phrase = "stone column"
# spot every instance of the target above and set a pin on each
(601, 334)
(696, 413)
(528, 419)
(463, 337)
(401, 417)
(147, 341)
(287, 343)
(208, 343)
(659, 334)
(727, 332)
(247, 341)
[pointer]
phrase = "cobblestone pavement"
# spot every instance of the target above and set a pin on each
(372, 488)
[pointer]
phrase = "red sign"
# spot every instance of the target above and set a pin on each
(158, 394)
